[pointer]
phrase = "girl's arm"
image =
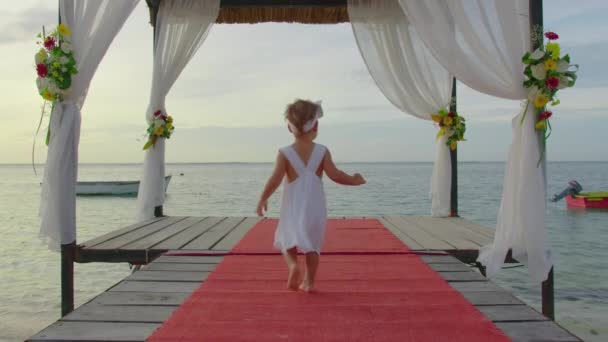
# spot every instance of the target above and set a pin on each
(272, 184)
(338, 175)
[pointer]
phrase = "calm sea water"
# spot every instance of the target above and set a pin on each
(29, 273)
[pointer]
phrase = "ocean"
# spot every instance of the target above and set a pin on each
(29, 272)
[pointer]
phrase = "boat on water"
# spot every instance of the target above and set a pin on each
(577, 199)
(595, 200)
(110, 188)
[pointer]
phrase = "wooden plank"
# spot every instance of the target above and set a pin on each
(511, 313)
(184, 237)
(474, 227)
(536, 331)
(95, 331)
(475, 286)
(129, 237)
(462, 276)
(117, 313)
(237, 234)
(155, 286)
(188, 260)
(439, 259)
(178, 267)
(409, 242)
(211, 237)
(141, 298)
(281, 3)
(119, 232)
(156, 238)
(501, 297)
(450, 268)
(457, 235)
(168, 276)
(423, 238)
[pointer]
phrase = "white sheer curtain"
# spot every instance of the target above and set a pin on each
(94, 24)
(481, 43)
(181, 28)
(407, 74)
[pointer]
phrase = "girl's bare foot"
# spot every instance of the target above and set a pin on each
(306, 287)
(293, 278)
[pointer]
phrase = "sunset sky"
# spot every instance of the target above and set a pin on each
(228, 102)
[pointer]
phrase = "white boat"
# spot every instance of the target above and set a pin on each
(128, 188)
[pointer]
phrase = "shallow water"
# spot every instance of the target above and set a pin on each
(29, 297)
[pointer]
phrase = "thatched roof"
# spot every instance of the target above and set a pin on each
(303, 15)
(283, 11)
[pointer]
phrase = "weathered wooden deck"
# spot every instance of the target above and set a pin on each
(133, 308)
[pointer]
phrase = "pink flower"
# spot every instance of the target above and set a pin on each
(163, 117)
(49, 43)
(157, 113)
(42, 70)
(544, 115)
(551, 35)
(552, 82)
(451, 114)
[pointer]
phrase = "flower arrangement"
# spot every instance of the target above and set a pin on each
(55, 63)
(547, 72)
(452, 124)
(161, 127)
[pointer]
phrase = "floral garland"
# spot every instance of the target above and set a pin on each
(161, 127)
(55, 63)
(547, 72)
(452, 124)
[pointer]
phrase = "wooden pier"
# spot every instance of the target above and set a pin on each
(133, 308)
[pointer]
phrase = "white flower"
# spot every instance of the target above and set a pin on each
(158, 123)
(63, 60)
(538, 71)
(563, 82)
(538, 54)
(53, 88)
(41, 83)
(66, 47)
(533, 92)
(64, 69)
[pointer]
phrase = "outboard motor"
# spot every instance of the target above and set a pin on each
(574, 188)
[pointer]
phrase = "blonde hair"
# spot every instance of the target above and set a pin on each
(300, 112)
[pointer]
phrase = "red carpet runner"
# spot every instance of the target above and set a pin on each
(360, 297)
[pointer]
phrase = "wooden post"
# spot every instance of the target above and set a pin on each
(454, 163)
(158, 211)
(67, 277)
(536, 28)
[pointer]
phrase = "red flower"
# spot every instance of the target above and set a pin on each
(42, 70)
(544, 115)
(551, 35)
(157, 113)
(49, 43)
(552, 82)
(164, 117)
(451, 114)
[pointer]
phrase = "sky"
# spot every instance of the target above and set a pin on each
(229, 100)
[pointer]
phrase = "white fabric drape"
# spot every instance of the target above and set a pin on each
(407, 74)
(181, 28)
(94, 24)
(481, 43)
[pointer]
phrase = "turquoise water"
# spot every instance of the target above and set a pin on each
(29, 295)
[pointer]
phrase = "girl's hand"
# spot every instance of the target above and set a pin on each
(262, 207)
(359, 180)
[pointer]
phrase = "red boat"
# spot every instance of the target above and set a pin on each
(596, 200)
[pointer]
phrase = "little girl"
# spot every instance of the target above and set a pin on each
(303, 208)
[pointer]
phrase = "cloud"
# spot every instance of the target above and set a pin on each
(26, 23)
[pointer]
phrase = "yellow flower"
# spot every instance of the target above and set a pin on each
(541, 100)
(453, 145)
(47, 95)
(169, 119)
(436, 118)
(169, 125)
(56, 64)
(448, 121)
(550, 64)
(64, 30)
(554, 49)
(440, 133)
(458, 120)
(41, 56)
(159, 131)
(542, 124)
(55, 73)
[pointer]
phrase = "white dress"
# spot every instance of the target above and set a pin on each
(303, 208)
